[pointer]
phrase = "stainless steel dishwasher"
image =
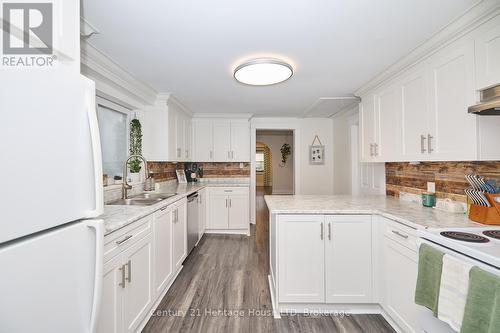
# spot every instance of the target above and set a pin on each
(192, 221)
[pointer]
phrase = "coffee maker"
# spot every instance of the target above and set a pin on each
(192, 172)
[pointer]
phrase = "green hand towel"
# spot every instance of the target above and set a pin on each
(482, 308)
(430, 265)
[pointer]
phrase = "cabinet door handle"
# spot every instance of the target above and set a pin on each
(399, 234)
(211, 154)
(321, 231)
(375, 149)
(226, 203)
(422, 144)
(122, 269)
(429, 143)
(329, 231)
(162, 209)
(129, 265)
(123, 240)
(178, 152)
(371, 149)
(177, 215)
(232, 154)
(230, 203)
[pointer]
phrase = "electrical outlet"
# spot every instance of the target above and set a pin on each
(431, 187)
(242, 165)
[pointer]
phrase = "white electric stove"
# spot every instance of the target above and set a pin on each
(482, 243)
(477, 246)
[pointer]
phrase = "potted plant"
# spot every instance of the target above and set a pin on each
(135, 149)
(285, 152)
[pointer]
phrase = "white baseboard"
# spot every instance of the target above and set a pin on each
(228, 231)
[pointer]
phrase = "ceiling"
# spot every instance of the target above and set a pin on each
(190, 48)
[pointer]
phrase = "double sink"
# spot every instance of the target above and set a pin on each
(143, 199)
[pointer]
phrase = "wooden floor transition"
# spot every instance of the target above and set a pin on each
(223, 288)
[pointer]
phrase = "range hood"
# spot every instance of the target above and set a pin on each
(490, 103)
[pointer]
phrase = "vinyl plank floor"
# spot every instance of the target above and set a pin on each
(223, 288)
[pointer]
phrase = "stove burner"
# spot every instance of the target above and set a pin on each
(465, 237)
(492, 233)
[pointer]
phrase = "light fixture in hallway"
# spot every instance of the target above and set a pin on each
(263, 72)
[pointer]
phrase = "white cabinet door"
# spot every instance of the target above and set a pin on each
(203, 140)
(238, 211)
(388, 124)
(301, 264)
(348, 258)
(218, 211)
(222, 140)
(163, 267)
(415, 115)
(172, 135)
(453, 131)
(240, 141)
(137, 294)
(110, 314)
(202, 212)
(179, 234)
(188, 134)
(487, 45)
(180, 136)
(367, 128)
(400, 267)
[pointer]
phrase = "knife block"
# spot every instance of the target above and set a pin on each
(486, 215)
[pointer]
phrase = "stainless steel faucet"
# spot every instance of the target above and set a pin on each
(125, 184)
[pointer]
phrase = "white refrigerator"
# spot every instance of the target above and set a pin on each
(51, 247)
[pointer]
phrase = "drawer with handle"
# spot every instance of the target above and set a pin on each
(402, 234)
(125, 237)
(228, 190)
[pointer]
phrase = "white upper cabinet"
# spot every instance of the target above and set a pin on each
(167, 131)
(221, 140)
(421, 114)
(367, 124)
(388, 124)
(487, 42)
(415, 116)
(203, 147)
(240, 141)
(452, 132)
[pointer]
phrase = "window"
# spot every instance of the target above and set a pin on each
(259, 161)
(113, 126)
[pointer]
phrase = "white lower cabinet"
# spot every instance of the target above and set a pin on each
(228, 209)
(179, 231)
(301, 259)
(162, 227)
(137, 293)
(324, 259)
(127, 293)
(202, 212)
(140, 262)
(399, 276)
(348, 259)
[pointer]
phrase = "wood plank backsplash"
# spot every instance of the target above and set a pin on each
(448, 176)
(166, 170)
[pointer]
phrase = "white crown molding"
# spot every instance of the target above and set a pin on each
(476, 15)
(223, 115)
(114, 81)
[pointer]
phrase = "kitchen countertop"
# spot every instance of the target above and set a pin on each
(116, 216)
(409, 213)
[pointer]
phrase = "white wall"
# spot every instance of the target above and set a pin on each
(342, 168)
(282, 176)
(316, 179)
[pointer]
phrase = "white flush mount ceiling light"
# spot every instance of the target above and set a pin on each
(263, 72)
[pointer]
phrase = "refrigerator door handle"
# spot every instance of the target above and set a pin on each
(98, 226)
(96, 149)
